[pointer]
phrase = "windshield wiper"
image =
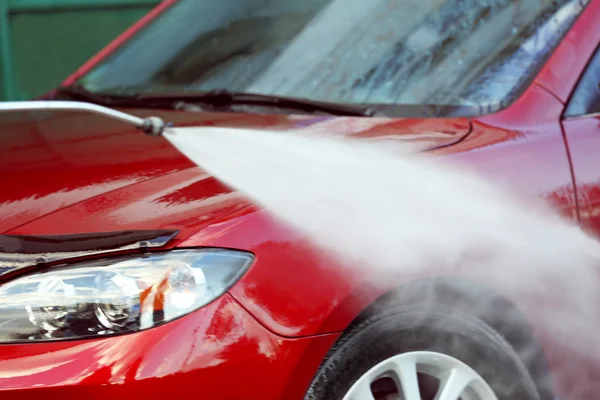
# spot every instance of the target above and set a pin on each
(224, 98)
(217, 99)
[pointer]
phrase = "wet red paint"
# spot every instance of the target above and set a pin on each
(584, 145)
(74, 173)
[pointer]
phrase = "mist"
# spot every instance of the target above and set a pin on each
(391, 209)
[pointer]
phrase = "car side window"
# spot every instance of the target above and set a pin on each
(586, 98)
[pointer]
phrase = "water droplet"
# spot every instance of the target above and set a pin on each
(514, 30)
(460, 62)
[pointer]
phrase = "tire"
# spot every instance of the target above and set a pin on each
(436, 329)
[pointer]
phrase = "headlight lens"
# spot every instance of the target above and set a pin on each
(113, 296)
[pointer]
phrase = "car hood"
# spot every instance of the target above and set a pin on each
(71, 172)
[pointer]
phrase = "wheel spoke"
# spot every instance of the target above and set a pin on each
(406, 369)
(362, 391)
(453, 384)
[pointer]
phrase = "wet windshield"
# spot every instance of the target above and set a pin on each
(476, 55)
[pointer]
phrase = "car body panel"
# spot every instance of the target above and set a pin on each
(584, 145)
(523, 149)
(298, 297)
(53, 160)
(228, 355)
(78, 173)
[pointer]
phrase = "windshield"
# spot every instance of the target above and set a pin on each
(476, 55)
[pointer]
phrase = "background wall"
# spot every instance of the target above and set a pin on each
(68, 31)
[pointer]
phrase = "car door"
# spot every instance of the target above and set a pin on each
(581, 124)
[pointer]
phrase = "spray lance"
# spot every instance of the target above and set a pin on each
(152, 126)
(184, 141)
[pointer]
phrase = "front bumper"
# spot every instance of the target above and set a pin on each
(217, 352)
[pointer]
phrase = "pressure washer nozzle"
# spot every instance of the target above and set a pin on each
(153, 126)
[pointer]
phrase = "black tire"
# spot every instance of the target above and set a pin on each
(413, 328)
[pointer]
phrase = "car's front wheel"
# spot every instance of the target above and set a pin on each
(414, 353)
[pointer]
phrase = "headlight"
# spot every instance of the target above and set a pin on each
(119, 295)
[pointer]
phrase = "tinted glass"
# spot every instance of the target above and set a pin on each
(474, 54)
(586, 98)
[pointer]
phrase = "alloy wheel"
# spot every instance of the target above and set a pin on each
(421, 375)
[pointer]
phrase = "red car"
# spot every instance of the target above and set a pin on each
(127, 272)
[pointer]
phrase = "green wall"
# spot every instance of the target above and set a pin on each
(43, 41)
